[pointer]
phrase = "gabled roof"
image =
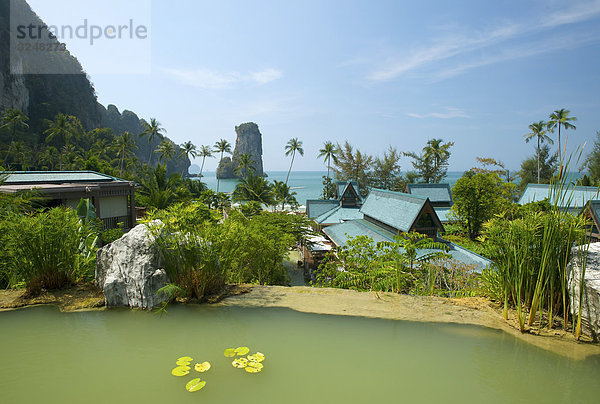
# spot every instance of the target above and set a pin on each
(340, 233)
(343, 185)
(351, 186)
(318, 207)
(437, 193)
(442, 213)
(339, 215)
(571, 197)
(395, 209)
(56, 177)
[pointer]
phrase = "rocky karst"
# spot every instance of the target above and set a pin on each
(249, 140)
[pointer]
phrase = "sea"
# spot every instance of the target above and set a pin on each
(306, 184)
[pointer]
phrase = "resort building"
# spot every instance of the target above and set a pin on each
(592, 211)
(440, 196)
(345, 206)
(571, 198)
(113, 198)
(386, 214)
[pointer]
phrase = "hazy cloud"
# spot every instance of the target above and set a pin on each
(217, 80)
(448, 114)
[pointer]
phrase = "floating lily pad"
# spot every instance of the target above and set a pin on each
(242, 350)
(240, 363)
(195, 385)
(180, 371)
(251, 369)
(182, 362)
(257, 357)
(256, 365)
(185, 359)
(229, 352)
(202, 367)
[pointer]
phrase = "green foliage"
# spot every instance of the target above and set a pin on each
(528, 171)
(60, 249)
(432, 163)
(329, 188)
(159, 190)
(353, 166)
(477, 198)
(284, 195)
(592, 162)
(386, 172)
(254, 188)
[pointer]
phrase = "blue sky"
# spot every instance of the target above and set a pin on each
(375, 73)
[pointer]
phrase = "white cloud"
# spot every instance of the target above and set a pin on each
(461, 46)
(448, 114)
(216, 80)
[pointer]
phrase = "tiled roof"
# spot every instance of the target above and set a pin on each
(340, 233)
(394, 209)
(318, 207)
(435, 192)
(571, 197)
(339, 215)
(56, 177)
(342, 185)
(442, 213)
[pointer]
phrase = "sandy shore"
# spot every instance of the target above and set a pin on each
(475, 311)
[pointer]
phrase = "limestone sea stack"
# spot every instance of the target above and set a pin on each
(249, 140)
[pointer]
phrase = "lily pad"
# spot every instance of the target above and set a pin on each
(251, 369)
(202, 367)
(182, 362)
(185, 359)
(257, 357)
(195, 385)
(242, 350)
(240, 363)
(229, 352)
(180, 371)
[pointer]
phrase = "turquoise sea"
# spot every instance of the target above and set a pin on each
(306, 184)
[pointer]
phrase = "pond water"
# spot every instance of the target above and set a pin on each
(123, 356)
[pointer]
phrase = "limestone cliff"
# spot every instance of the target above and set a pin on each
(249, 140)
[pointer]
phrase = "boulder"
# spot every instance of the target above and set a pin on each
(130, 270)
(590, 314)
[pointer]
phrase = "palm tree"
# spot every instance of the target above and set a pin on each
(293, 146)
(437, 152)
(254, 188)
(538, 130)
(158, 190)
(328, 152)
(124, 146)
(283, 195)
(15, 119)
(205, 151)
(166, 150)
(63, 127)
(222, 146)
(152, 130)
(188, 150)
(245, 164)
(559, 118)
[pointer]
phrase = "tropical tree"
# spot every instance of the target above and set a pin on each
(386, 172)
(592, 162)
(205, 151)
(13, 119)
(559, 118)
(188, 150)
(293, 145)
(245, 165)
(432, 163)
(165, 150)
(159, 190)
(124, 146)
(538, 131)
(283, 195)
(353, 166)
(152, 130)
(328, 152)
(222, 146)
(64, 127)
(548, 165)
(254, 188)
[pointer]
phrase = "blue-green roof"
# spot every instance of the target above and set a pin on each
(437, 193)
(442, 213)
(340, 233)
(395, 209)
(56, 177)
(342, 185)
(571, 197)
(318, 207)
(339, 215)
(594, 208)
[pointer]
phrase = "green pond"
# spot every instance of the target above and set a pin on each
(125, 356)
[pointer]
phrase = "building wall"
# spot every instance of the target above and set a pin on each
(113, 206)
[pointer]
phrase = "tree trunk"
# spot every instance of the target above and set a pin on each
(538, 159)
(288, 174)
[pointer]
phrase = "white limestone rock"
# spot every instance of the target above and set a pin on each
(590, 314)
(130, 271)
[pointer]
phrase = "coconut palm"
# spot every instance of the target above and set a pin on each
(245, 164)
(188, 150)
(153, 130)
(328, 152)
(222, 146)
(124, 146)
(165, 150)
(437, 152)
(283, 195)
(559, 118)
(293, 145)
(538, 130)
(64, 127)
(205, 151)
(14, 119)
(254, 188)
